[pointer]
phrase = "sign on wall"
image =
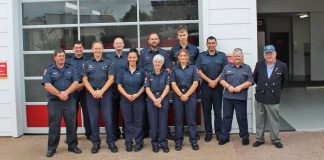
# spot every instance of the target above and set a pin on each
(3, 70)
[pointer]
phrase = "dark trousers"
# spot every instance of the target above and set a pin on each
(133, 113)
(211, 98)
(116, 110)
(103, 106)
(158, 119)
(80, 99)
(57, 108)
(240, 107)
(182, 109)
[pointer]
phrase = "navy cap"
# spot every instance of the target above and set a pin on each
(269, 48)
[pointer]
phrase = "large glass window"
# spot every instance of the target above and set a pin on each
(49, 38)
(108, 34)
(42, 13)
(102, 11)
(51, 24)
(153, 10)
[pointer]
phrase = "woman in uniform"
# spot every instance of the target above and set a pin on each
(184, 82)
(130, 83)
(98, 76)
(157, 88)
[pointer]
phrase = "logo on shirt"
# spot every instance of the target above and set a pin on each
(90, 66)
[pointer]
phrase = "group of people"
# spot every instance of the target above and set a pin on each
(138, 84)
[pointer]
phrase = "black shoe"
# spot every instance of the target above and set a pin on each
(278, 144)
(208, 138)
(245, 141)
(195, 146)
(138, 148)
(165, 149)
(50, 153)
(113, 148)
(95, 149)
(129, 148)
(155, 149)
(217, 137)
(257, 143)
(223, 141)
(75, 150)
(170, 136)
(178, 147)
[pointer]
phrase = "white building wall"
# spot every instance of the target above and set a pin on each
(233, 23)
(10, 103)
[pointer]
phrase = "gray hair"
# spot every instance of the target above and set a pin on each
(238, 50)
(158, 57)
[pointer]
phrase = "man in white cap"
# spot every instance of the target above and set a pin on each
(270, 76)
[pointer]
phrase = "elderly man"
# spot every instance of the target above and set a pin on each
(236, 78)
(270, 76)
(119, 60)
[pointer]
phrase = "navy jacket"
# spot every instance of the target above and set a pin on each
(268, 90)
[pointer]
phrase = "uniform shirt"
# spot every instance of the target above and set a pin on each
(211, 65)
(157, 82)
(119, 62)
(98, 71)
(235, 76)
(184, 78)
(77, 63)
(131, 82)
(193, 50)
(60, 78)
(146, 58)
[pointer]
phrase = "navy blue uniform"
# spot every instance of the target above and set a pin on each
(146, 59)
(133, 111)
(119, 62)
(193, 50)
(236, 76)
(184, 78)
(97, 73)
(158, 117)
(61, 79)
(80, 96)
(212, 66)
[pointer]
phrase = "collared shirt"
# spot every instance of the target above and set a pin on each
(157, 82)
(98, 72)
(193, 50)
(77, 63)
(211, 65)
(131, 82)
(60, 78)
(269, 68)
(146, 58)
(184, 78)
(119, 62)
(236, 76)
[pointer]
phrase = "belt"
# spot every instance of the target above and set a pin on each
(96, 88)
(157, 93)
(183, 90)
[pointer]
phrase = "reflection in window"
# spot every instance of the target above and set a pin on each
(49, 38)
(168, 34)
(42, 13)
(42, 60)
(35, 91)
(102, 11)
(108, 34)
(161, 10)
